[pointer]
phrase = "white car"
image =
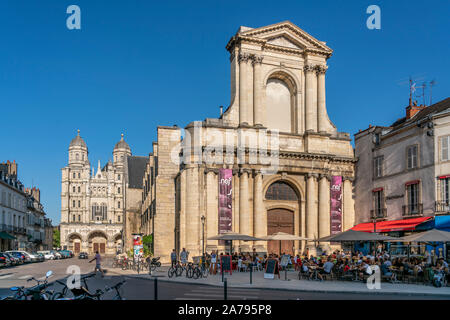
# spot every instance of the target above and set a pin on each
(32, 256)
(57, 255)
(47, 255)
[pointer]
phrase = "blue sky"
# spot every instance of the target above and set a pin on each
(138, 64)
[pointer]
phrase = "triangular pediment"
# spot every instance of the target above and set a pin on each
(286, 34)
(283, 41)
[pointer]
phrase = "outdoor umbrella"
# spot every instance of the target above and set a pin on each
(230, 236)
(280, 236)
(433, 235)
(352, 235)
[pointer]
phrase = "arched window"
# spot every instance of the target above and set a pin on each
(279, 111)
(281, 191)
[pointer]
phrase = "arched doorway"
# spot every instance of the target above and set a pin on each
(281, 219)
(118, 242)
(75, 243)
(97, 242)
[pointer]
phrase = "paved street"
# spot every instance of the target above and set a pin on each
(142, 286)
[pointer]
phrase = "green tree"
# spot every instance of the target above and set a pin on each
(56, 238)
(147, 244)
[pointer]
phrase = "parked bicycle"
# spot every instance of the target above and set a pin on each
(37, 292)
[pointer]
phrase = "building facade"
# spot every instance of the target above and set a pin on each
(22, 216)
(274, 149)
(94, 202)
(403, 170)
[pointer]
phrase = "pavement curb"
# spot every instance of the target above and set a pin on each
(161, 279)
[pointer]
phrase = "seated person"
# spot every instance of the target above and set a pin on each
(327, 267)
(365, 269)
(385, 271)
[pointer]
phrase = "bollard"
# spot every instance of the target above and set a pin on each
(225, 290)
(251, 272)
(156, 288)
(222, 275)
(285, 273)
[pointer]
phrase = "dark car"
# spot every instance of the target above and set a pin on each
(16, 254)
(39, 257)
(4, 260)
(83, 255)
(14, 261)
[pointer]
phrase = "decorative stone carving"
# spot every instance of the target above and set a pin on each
(257, 59)
(321, 69)
(244, 57)
(309, 68)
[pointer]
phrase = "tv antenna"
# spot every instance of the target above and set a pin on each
(432, 83)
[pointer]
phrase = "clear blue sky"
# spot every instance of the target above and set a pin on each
(138, 64)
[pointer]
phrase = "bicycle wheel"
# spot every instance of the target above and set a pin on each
(195, 273)
(57, 295)
(153, 266)
(178, 271)
(189, 273)
(171, 272)
(205, 272)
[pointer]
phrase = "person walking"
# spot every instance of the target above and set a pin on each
(184, 257)
(98, 260)
(173, 258)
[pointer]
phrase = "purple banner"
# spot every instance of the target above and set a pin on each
(225, 201)
(336, 204)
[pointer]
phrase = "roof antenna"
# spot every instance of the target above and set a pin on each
(432, 83)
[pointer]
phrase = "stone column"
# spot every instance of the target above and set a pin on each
(324, 209)
(192, 211)
(259, 211)
(257, 91)
(243, 88)
(212, 214)
(310, 98)
(348, 205)
(244, 215)
(311, 212)
(321, 106)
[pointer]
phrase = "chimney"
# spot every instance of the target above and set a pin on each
(412, 109)
(221, 110)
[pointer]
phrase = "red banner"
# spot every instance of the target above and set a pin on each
(336, 204)
(225, 201)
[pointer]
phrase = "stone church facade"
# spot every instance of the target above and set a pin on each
(275, 138)
(93, 200)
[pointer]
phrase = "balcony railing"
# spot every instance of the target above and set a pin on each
(379, 213)
(442, 206)
(414, 209)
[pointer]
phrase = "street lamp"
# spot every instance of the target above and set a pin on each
(203, 237)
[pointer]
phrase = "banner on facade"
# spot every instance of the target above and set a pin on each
(336, 205)
(225, 201)
(138, 248)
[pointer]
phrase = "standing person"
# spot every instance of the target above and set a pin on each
(184, 257)
(213, 267)
(98, 260)
(173, 258)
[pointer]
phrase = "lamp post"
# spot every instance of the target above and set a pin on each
(203, 237)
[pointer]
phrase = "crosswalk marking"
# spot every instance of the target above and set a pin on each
(209, 295)
(25, 277)
(6, 276)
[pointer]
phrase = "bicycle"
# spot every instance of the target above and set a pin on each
(63, 292)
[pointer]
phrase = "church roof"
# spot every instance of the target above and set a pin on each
(136, 171)
(122, 144)
(78, 141)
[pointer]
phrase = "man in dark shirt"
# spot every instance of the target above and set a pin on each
(98, 260)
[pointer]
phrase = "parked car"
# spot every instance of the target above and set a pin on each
(67, 253)
(83, 255)
(22, 255)
(56, 254)
(47, 255)
(14, 261)
(33, 257)
(39, 257)
(4, 260)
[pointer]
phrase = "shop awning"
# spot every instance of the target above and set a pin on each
(439, 222)
(6, 236)
(393, 225)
